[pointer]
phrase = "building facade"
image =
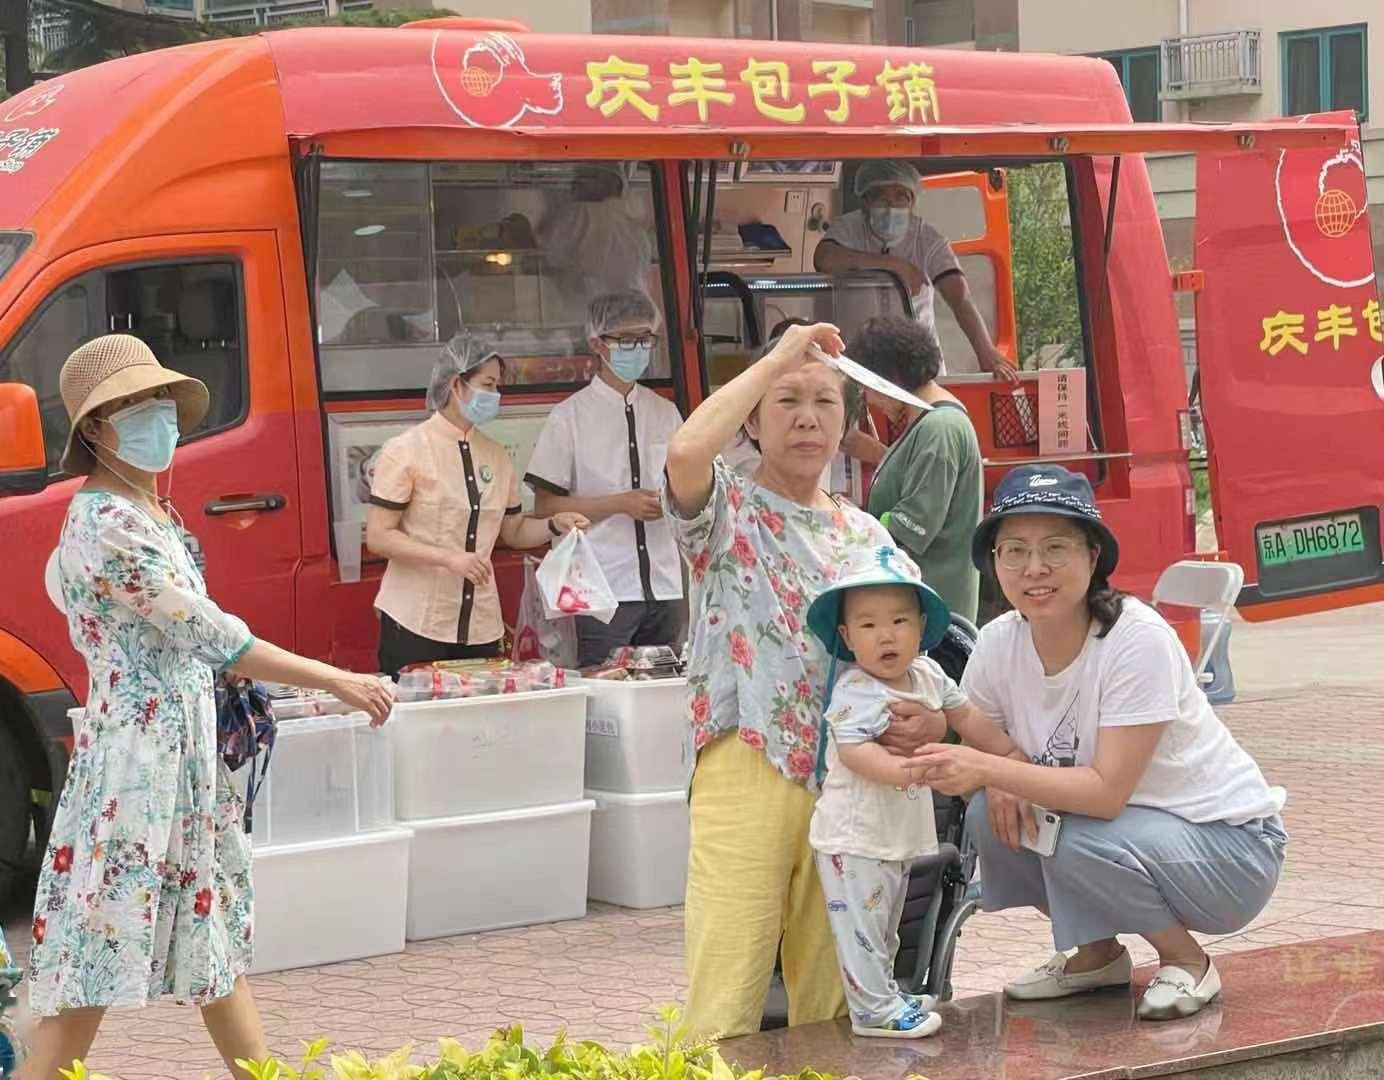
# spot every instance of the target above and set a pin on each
(1199, 60)
(862, 22)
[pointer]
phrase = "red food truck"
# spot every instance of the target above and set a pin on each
(300, 219)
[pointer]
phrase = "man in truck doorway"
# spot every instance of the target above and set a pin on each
(887, 234)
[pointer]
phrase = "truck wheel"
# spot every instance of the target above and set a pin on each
(14, 814)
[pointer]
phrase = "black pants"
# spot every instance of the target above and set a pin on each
(636, 622)
(400, 647)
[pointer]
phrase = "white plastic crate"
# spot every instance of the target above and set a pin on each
(638, 738)
(639, 847)
(329, 777)
(330, 901)
(499, 752)
(487, 871)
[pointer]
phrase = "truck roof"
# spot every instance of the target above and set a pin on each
(136, 133)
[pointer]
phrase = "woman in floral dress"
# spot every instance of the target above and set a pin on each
(145, 889)
(760, 548)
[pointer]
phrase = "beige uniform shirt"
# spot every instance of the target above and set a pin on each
(454, 491)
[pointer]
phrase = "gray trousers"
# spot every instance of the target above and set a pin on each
(864, 904)
(1144, 872)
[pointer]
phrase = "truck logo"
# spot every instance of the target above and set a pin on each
(490, 84)
(31, 104)
(1321, 201)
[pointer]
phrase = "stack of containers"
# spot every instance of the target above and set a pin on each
(330, 868)
(491, 787)
(639, 760)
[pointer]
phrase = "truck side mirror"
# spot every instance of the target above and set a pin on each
(23, 459)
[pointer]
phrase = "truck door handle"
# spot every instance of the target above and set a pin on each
(240, 504)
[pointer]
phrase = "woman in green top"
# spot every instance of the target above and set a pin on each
(929, 487)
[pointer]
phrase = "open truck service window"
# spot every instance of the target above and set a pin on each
(411, 253)
(1007, 224)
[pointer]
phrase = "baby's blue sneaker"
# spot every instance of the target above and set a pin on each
(910, 1024)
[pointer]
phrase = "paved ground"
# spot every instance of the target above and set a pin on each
(1310, 710)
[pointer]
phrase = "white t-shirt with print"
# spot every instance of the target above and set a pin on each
(1137, 674)
(857, 816)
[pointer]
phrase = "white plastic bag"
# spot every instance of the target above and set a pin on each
(572, 583)
(537, 637)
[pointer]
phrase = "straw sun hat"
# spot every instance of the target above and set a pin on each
(110, 368)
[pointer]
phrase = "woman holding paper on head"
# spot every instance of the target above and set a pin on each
(760, 547)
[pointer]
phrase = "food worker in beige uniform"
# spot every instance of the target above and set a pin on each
(443, 493)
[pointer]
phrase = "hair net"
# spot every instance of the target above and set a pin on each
(463, 354)
(875, 174)
(608, 312)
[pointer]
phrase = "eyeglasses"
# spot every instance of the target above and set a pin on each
(631, 342)
(1055, 552)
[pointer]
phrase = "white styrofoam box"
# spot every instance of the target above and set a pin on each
(508, 868)
(498, 752)
(329, 901)
(637, 736)
(329, 777)
(639, 848)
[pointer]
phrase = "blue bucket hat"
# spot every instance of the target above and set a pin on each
(880, 566)
(1045, 489)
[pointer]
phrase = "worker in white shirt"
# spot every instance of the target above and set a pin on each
(599, 233)
(601, 453)
(887, 234)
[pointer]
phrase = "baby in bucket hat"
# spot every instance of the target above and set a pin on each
(875, 812)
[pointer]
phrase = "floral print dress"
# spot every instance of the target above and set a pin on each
(757, 561)
(145, 888)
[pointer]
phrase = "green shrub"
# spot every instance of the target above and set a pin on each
(667, 1056)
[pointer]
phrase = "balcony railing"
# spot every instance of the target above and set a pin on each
(49, 31)
(1211, 65)
(266, 13)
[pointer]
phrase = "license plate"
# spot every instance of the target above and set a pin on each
(1315, 538)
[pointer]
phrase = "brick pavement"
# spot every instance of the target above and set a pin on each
(603, 976)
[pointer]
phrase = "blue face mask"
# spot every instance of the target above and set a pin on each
(890, 223)
(148, 434)
(481, 407)
(630, 362)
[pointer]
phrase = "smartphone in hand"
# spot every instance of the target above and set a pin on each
(1048, 826)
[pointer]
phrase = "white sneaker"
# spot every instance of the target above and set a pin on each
(1052, 981)
(1174, 993)
(913, 1024)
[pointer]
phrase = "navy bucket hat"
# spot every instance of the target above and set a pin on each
(1045, 489)
(881, 566)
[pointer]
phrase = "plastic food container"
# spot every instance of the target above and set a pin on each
(638, 738)
(497, 752)
(330, 900)
(639, 847)
(508, 868)
(329, 777)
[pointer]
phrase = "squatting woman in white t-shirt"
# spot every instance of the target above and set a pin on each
(1168, 826)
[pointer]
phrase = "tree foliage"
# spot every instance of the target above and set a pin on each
(96, 32)
(1045, 287)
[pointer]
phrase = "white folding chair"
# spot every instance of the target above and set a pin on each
(1207, 586)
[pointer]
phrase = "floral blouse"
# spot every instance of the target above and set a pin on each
(757, 561)
(145, 886)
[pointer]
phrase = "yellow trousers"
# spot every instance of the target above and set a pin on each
(751, 883)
